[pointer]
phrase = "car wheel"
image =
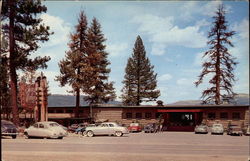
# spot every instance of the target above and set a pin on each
(90, 134)
(13, 136)
(26, 135)
(118, 133)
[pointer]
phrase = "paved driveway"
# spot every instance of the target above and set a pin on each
(172, 146)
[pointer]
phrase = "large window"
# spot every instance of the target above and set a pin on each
(148, 115)
(69, 111)
(236, 116)
(224, 115)
(138, 115)
(211, 116)
(59, 111)
(129, 115)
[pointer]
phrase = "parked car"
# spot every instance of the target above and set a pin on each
(150, 128)
(81, 127)
(8, 129)
(106, 128)
(134, 127)
(72, 128)
(201, 129)
(234, 130)
(46, 129)
(246, 131)
(217, 129)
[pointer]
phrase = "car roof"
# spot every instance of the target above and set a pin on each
(46, 122)
(6, 122)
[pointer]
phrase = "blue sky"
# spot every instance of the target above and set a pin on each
(174, 35)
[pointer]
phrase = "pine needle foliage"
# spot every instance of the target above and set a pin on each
(139, 81)
(220, 63)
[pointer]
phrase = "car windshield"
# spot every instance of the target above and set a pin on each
(134, 124)
(53, 124)
(217, 125)
(8, 125)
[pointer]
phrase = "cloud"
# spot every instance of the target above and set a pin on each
(117, 49)
(163, 33)
(165, 77)
(60, 28)
(186, 82)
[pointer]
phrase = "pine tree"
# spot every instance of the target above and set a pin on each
(220, 63)
(71, 66)
(139, 80)
(96, 86)
(24, 31)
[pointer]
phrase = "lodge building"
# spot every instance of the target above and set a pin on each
(173, 117)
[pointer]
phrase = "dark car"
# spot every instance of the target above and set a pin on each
(234, 130)
(8, 129)
(150, 128)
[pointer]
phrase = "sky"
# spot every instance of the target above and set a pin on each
(174, 34)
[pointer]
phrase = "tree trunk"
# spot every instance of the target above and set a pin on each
(77, 103)
(13, 75)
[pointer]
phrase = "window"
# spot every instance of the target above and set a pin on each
(41, 126)
(35, 125)
(236, 115)
(158, 115)
(59, 111)
(69, 111)
(223, 115)
(111, 125)
(129, 115)
(211, 116)
(138, 115)
(51, 111)
(148, 115)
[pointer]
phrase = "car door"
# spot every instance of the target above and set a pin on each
(33, 130)
(42, 130)
(111, 129)
(102, 129)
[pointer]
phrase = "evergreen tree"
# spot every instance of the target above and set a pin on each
(96, 86)
(139, 80)
(220, 63)
(71, 66)
(24, 31)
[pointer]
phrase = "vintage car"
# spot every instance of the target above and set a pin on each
(234, 130)
(134, 127)
(217, 129)
(201, 129)
(150, 128)
(106, 128)
(46, 129)
(8, 129)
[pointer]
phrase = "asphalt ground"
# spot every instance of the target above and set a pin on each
(166, 146)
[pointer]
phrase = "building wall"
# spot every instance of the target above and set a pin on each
(242, 120)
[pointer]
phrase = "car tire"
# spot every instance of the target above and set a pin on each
(90, 134)
(60, 137)
(26, 135)
(118, 133)
(13, 136)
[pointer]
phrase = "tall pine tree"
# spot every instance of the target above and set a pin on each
(24, 31)
(220, 63)
(71, 66)
(96, 86)
(139, 81)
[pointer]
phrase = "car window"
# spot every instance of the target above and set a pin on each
(134, 124)
(111, 125)
(35, 125)
(54, 124)
(41, 126)
(104, 125)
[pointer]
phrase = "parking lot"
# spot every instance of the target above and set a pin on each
(171, 146)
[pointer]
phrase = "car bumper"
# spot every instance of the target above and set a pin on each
(9, 134)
